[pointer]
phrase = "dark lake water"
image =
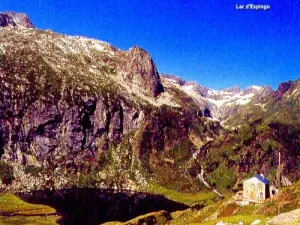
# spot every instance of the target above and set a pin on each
(95, 206)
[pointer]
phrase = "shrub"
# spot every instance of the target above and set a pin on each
(86, 181)
(6, 172)
(33, 170)
(223, 177)
(270, 203)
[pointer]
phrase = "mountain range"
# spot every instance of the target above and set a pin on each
(76, 111)
(222, 104)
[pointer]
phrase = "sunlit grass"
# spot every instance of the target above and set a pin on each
(24, 213)
(28, 220)
(205, 197)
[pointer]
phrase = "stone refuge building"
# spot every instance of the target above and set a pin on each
(256, 189)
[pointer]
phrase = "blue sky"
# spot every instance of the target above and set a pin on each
(208, 41)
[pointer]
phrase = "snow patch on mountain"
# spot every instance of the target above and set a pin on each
(188, 88)
(256, 87)
(221, 103)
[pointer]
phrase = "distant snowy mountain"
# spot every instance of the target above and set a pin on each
(221, 103)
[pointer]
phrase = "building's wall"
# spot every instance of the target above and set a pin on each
(254, 190)
(248, 192)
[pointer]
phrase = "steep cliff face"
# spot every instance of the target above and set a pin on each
(48, 115)
(70, 134)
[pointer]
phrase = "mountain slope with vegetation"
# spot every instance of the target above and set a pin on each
(257, 136)
(78, 112)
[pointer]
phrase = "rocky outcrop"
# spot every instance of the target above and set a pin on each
(292, 217)
(16, 20)
(160, 217)
(140, 70)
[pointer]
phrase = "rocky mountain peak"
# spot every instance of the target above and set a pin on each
(252, 89)
(136, 50)
(235, 89)
(140, 70)
(15, 20)
(283, 88)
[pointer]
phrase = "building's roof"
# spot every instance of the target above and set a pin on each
(258, 178)
(262, 179)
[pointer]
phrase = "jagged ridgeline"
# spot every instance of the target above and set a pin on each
(95, 115)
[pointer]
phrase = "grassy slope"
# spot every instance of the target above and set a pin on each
(227, 211)
(203, 197)
(24, 213)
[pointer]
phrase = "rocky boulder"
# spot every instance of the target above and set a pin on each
(292, 217)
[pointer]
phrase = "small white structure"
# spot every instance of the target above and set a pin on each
(273, 190)
(256, 189)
